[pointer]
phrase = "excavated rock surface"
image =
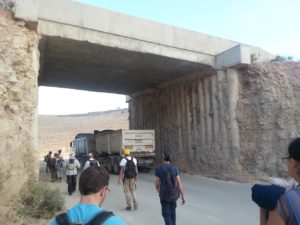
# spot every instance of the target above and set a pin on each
(19, 66)
(268, 114)
(234, 124)
(7, 4)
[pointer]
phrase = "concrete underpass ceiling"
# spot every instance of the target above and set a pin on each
(81, 65)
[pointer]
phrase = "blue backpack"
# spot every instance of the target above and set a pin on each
(293, 197)
(58, 164)
(71, 164)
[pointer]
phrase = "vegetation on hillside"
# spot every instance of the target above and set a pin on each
(39, 201)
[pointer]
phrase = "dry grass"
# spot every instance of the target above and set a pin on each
(39, 200)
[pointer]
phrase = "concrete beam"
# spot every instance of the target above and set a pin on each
(93, 18)
(111, 40)
(96, 49)
(233, 56)
(97, 19)
(241, 54)
(27, 10)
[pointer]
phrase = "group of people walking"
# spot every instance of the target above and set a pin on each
(54, 164)
(93, 187)
(278, 206)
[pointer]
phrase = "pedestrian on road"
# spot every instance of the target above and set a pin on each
(59, 166)
(59, 153)
(93, 187)
(47, 160)
(169, 187)
(91, 161)
(287, 209)
(52, 167)
(71, 171)
(128, 175)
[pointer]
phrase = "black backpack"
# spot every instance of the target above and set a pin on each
(99, 219)
(130, 169)
(169, 190)
(93, 162)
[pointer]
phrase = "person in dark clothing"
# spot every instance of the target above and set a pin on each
(91, 161)
(47, 160)
(170, 188)
(53, 168)
(286, 210)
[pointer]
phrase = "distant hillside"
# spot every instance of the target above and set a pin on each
(56, 132)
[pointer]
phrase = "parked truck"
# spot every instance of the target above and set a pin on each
(109, 145)
(82, 145)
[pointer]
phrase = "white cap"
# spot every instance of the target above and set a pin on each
(72, 155)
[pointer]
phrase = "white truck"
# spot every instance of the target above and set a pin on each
(107, 147)
(110, 145)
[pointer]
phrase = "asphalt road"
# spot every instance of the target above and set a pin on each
(208, 202)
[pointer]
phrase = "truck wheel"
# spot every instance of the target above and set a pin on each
(143, 169)
(116, 167)
(109, 166)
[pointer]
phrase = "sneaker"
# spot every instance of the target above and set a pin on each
(135, 205)
(128, 208)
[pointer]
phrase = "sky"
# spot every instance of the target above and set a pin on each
(272, 25)
(60, 101)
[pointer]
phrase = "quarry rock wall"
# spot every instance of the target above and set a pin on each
(19, 65)
(235, 124)
(268, 115)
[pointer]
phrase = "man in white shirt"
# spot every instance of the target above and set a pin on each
(71, 171)
(91, 161)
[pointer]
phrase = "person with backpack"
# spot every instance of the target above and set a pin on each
(52, 167)
(170, 188)
(286, 210)
(93, 187)
(47, 159)
(71, 172)
(128, 174)
(58, 167)
(91, 161)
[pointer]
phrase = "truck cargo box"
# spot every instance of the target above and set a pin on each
(113, 142)
(84, 144)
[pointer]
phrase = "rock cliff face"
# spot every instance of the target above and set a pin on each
(7, 4)
(268, 115)
(235, 124)
(19, 64)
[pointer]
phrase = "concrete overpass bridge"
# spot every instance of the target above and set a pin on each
(89, 48)
(197, 91)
